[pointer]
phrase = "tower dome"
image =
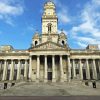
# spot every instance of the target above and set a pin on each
(49, 4)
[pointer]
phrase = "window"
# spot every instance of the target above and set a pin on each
(36, 42)
(63, 42)
(49, 27)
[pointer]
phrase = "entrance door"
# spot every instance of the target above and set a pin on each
(49, 75)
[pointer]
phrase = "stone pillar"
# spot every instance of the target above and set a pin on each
(18, 70)
(11, 70)
(4, 71)
(99, 65)
(0, 66)
(38, 69)
(87, 70)
(69, 69)
(25, 69)
(46, 71)
(80, 70)
(61, 70)
(30, 68)
(0, 70)
(94, 70)
(74, 71)
(53, 69)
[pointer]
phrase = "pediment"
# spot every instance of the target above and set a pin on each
(48, 46)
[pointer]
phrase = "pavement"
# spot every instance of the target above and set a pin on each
(51, 89)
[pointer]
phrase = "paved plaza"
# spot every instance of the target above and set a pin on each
(51, 89)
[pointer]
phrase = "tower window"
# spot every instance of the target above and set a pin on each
(63, 42)
(49, 27)
(36, 42)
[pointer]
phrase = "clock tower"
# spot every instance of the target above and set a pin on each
(49, 19)
(49, 22)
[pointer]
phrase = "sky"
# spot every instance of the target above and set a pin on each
(20, 19)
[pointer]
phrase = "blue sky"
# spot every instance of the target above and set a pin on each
(19, 19)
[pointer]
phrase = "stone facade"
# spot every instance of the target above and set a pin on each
(49, 58)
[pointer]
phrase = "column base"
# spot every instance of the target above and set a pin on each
(30, 80)
(25, 78)
(54, 80)
(10, 79)
(37, 81)
(69, 80)
(61, 80)
(45, 80)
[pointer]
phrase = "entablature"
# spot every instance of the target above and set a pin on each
(49, 53)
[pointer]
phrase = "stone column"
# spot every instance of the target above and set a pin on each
(69, 69)
(99, 68)
(11, 70)
(0, 66)
(4, 71)
(74, 71)
(94, 70)
(53, 69)
(46, 71)
(80, 70)
(99, 65)
(0, 70)
(18, 70)
(25, 69)
(87, 70)
(61, 70)
(38, 69)
(30, 68)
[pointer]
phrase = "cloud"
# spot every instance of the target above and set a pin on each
(62, 13)
(31, 28)
(9, 9)
(90, 24)
(0, 32)
(81, 44)
(63, 16)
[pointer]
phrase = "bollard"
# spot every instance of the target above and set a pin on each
(5, 85)
(12, 84)
(86, 83)
(94, 84)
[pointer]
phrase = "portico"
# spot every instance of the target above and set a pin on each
(51, 69)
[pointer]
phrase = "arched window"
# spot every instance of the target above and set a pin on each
(36, 42)
(63, 42)
(49, 28)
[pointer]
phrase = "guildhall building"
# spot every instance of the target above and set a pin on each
(49, 58)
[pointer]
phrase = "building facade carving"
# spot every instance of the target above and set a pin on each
(49, 58)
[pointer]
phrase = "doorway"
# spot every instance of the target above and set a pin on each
(49, 75)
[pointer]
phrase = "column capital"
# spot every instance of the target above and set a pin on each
(73, 58)
(53, 55)
(86, 59)
(26, 59)
(45, 55)
(61, 55)
(30, 56)
(19, 59)
(68, 55)
(12, 59)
